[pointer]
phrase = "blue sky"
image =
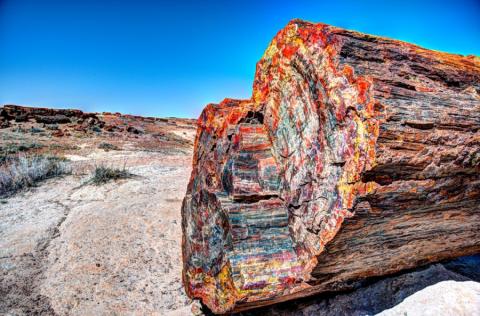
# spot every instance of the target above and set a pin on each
(170, 59)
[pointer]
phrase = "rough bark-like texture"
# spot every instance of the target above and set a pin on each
(374, 295)
(376, 137)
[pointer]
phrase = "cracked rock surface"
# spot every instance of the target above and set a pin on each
(68, 249)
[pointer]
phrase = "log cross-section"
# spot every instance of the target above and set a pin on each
(357, 156)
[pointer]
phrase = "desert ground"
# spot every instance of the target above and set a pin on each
(75, 249)
(71, 248)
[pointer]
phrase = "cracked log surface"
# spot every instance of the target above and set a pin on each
(357, 156)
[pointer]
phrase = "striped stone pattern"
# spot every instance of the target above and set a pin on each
(254, 170)
(263, 257)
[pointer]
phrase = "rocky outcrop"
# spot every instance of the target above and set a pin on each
(45, 115)
(64, 122)
(356, 156)
(15, 111)
(54, 119)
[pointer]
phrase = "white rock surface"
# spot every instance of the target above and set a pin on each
(115, 249)
(447, 298)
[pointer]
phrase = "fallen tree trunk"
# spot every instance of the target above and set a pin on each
(357, 156)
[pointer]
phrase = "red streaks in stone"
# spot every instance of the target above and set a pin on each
(263, 198)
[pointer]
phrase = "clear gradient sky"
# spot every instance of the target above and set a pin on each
(170, 59)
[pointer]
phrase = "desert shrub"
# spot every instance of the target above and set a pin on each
(51, 127)
(104, 174)
(135, 130)
(21, 118)
(12, 149)
(19, 129)
(63, 147)
(96, 129)
(36, 130)
(108, 146)
(53, 119)
(22, 172)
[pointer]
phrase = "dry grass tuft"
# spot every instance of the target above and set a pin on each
(23, 172)
(104, 174)
(107, 146)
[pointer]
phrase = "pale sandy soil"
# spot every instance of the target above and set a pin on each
(114, 249)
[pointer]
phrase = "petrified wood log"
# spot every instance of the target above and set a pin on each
(356, 156)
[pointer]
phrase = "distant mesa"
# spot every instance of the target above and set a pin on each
(86, 123)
